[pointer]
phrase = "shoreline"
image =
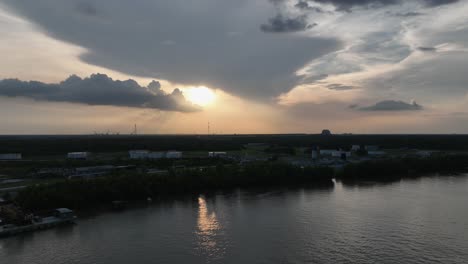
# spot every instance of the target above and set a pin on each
(83, 194)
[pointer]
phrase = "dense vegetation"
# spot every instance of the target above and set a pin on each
(59, 145)
(398, 168)
(28, 168)
(88, 193)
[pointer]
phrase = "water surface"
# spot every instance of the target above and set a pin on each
(419, 221)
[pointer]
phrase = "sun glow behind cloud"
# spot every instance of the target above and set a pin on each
(201, 96)
(389, 53)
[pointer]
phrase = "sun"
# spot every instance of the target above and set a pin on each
(201, 96)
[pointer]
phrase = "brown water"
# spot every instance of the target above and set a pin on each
(420, 221)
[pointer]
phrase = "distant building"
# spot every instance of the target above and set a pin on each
(326, 132)
(315, 153)
(217, 154)
(335, 153)
(341, 154)
(424, 153)
(355, 148)
(146, 154)
(174, 155)
(96, 171)
(11, 156)
(78, 155)
(155, 155)
(327, 152)
(138, 154)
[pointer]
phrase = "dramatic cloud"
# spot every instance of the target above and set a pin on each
(281, 24)
(427, 49)
(408, 14)
(86, 8)
(304, 5)
(214, 43)
(340, 87)
(391, 105)
(99, 89)
(421, 53)
(356, 53)
(439, 2)
(347, 4)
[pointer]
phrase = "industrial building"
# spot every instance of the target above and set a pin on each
(333, 153)
(355, 148)
(315, 153)
(327, 152)
(146, 154)
(78, 155)
(217, 154)
(96, 171)
(11, 156)
(173, 155)
(138, 154)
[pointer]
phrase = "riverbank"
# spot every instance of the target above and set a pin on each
(385, 223)
(388, 170)
(81, 194)
(85, 194)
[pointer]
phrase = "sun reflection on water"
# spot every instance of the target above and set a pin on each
(208, 231)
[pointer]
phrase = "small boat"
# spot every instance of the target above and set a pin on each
(61, 216)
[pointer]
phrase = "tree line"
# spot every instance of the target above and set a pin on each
(137, 186)
(400, 168)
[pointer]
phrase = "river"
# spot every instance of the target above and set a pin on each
(412, 221)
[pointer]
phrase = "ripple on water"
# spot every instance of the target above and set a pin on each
(420, 221)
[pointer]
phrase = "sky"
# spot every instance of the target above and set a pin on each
(245, 66)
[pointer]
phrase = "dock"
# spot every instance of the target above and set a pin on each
(61, 216)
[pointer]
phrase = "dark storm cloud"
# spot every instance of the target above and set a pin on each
(86, 8)
(391, 105)
(214, 43)
(304, 5)
(282, 24)
(348, 4)
(340, 87)
(439, 2)
(408, 14)
(427, 49)
(99, 89)
(277, 2)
